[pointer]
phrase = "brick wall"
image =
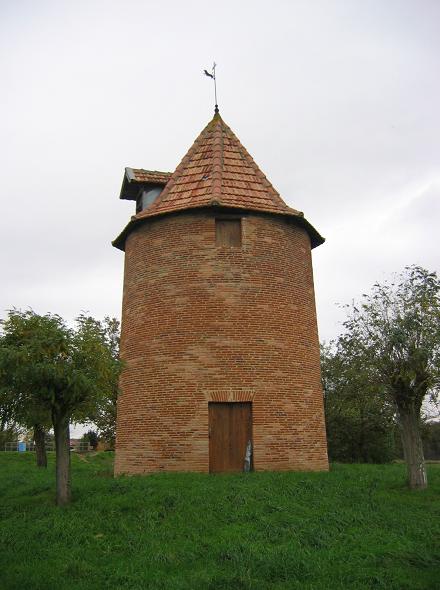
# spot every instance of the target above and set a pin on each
(203, 323)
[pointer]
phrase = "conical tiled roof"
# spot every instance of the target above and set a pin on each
(218, 171)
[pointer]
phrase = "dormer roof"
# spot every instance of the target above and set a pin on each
(217, 171)
(135, 178)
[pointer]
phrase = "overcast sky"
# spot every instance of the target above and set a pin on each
(337, 101)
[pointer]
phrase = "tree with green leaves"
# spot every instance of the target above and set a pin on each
(91, 437)
(9, 433)
(16, 409)
(395, 334)
(61, 371)
(105, 415)
(431, 440)
(359, 418)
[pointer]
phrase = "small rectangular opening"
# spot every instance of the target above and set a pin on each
(228, 232)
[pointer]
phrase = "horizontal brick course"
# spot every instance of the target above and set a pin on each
(204, 323)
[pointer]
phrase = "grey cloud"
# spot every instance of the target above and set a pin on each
(336, 101)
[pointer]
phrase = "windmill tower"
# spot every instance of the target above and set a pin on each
(219, 332)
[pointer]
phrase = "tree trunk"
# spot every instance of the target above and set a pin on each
(362, 452)
(62, 448)
(40, 445)
(409, 419)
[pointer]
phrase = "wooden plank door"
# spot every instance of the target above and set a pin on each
(230, 430)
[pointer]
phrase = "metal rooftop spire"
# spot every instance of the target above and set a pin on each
(212, 75)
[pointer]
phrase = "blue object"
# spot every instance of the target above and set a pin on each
(21, 447)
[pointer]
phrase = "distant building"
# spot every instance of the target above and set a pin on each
(219, 331)
(79, 445)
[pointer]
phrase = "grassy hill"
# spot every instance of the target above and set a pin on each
(355, 527)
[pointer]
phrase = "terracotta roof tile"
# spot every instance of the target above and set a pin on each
(217, 165)
(153, 176)
(217, 170)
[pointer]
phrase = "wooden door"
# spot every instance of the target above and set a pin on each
(230, 430)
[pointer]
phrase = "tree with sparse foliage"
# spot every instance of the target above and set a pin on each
(395, 333)
(58, 370)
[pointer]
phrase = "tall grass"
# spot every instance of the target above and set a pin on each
(355, 527)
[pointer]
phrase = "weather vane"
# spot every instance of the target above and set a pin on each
(215, 83)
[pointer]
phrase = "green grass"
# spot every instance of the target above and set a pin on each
(355, 527)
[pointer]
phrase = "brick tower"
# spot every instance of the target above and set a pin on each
(219, 333)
